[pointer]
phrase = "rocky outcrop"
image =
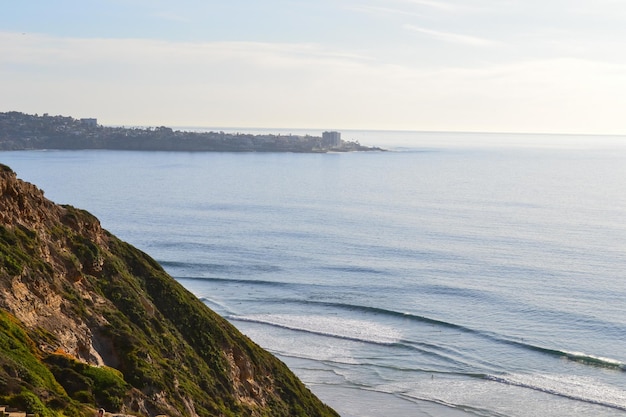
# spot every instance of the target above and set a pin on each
(87, 320)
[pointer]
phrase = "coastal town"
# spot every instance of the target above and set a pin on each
(20, 131)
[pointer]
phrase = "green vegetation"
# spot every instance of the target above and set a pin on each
(24, 378)
(96, 385)
(12, 258)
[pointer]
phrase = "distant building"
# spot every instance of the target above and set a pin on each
(331, 139)
(89, 122)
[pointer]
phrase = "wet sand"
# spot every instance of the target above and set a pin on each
(356, 402)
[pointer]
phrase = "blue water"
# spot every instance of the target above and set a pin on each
(458, 275)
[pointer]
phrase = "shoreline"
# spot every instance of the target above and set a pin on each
(19, 131)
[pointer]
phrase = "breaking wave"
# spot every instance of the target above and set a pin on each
(570, 387)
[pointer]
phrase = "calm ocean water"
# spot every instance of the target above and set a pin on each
(461, 274)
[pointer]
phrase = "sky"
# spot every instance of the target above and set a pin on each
(549, 66)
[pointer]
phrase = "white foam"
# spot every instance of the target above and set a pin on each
(340, 352)
(519, 395)
(333, 326)
(592, 358)
(574, 387)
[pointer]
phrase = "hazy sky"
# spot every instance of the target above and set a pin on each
(452, 65)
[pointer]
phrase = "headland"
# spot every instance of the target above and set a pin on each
(20, 131)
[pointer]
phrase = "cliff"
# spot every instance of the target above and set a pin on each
(89, 321)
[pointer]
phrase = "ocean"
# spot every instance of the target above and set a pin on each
(455, 275)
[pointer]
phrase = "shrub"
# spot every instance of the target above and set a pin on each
(30, 403)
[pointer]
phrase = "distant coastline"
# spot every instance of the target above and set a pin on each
(20, 131)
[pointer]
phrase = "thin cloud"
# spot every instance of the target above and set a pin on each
(51, 50)
(440, 5)
(405, 8)
(452, 37)
(377, 11)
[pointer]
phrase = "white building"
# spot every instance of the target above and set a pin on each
(331, 139)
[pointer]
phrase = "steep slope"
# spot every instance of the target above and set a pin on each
(87, 320)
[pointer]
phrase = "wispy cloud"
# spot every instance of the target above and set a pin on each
(411, 8)
(378, 10)
(452, 37)
(435, 4)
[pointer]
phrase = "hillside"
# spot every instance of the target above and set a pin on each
(89, 321)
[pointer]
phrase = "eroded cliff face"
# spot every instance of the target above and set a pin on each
(34, 280)
(113, 329)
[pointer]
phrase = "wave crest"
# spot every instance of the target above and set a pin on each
(570, 387)
(337, 327)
